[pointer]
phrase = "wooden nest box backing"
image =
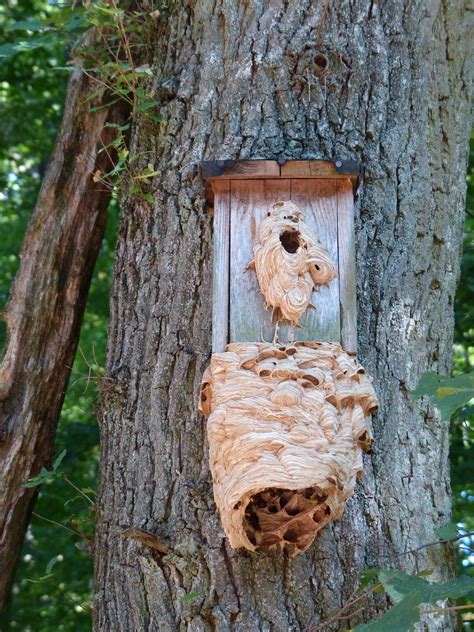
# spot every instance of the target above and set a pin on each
(288, 405)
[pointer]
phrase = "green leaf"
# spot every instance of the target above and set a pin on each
(49, 40)
(121, 128)
(397, 584)
(33, 482)
(190, 596)
(426, 573)
(39, 580)
(57, 461)
(25, 25)
(43, 476)
(448, 393)
(77, 23)
(123, 91)
(147, 174)
(7, 50)
(154, 117)
(97, 93)
(144, 70)
(409, 593)
(448, 531)
(147, 105)
(105, 105)
(367, 576)
(65, 18)
(89, 490)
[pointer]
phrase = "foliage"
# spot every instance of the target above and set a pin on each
(412, 595)
(111, 57)
(54, 578)
(409, 593)
(449, 393)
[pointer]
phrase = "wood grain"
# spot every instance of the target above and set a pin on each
(212, 170)
(249, 320)
(318, 201)
(235, 169)
(347, 269)
(308, 169)
(220, 275)
(320, 169)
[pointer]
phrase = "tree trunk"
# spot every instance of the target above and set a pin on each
(248, 84)
(45, 309)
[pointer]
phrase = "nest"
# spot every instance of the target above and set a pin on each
(287, 425)
(290, 262)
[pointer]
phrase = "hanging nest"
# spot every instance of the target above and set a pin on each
(287, 426)
(290, 262)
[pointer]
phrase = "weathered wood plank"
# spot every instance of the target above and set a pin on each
(220, 276)
(250, 199)
(318, 200)
(347, 269)
(235, 169)
(320, 169)
(249, 320)
(214, 170)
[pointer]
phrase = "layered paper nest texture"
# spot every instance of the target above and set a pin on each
(286, 429)
(290, 262)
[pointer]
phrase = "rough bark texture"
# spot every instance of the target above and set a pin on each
(45, 309)
(246, 86)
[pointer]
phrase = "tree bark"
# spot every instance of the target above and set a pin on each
(47, 302)
(246, 85)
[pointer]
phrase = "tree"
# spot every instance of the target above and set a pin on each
(45, 309)
(386, 84)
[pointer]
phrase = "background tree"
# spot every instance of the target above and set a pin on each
(46, 304)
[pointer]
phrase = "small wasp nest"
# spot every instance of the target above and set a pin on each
(290, 262)
(287, 425)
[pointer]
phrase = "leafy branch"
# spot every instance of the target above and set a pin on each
(409, 594)
(448, 393)
(112, 59)
(79, 525)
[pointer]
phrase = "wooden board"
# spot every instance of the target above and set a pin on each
(347, 265)
(230, 169)
(320, 169)
(215, 170)
(220, 268)
(250, 199)
(318, 200)
(249, 320)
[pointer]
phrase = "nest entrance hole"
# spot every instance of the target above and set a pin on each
(290, 240)
(285, 519)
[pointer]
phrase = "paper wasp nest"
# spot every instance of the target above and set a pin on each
(287, 425)
(289, 261)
